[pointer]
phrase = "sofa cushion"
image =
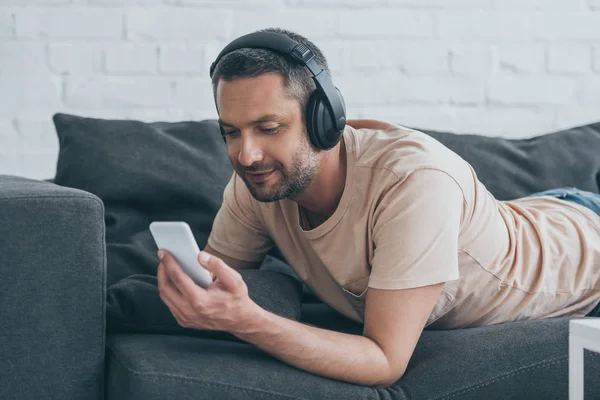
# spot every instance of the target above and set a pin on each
(518, 167)
(519, 360)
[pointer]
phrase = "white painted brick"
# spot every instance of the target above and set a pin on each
(455, 4)
(75, 58)
(473, 59)
(569, 5)
(30, 164)
(10, 162)
(492, 4)
(28, 92)
(596, 59)
(334, 54)
(80, 23)
(413, 57)
(33, 2)
(483, 24)
(108, 113)
(339, 3)
(181, 59)
(23, 58)
(164, 23)
(506, 122)
(481, 66)
(313, 25)
(590, 91)
(568, 25)
(576, 115)
(170, 115)
(412, 116)
(9, 137)
(365, 89)
(199, 115)
(108, 92)
(511, 123)
(568, 58)
(7, 24)
(382, 23)
(130, 58)
(532, 90)
(521, 58)
(211, 49)
(38, 132)
(234, 4)
(193, 93)
(438, 89)
(127, 2)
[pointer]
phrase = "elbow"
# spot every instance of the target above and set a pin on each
(389, 380)
(386, 384)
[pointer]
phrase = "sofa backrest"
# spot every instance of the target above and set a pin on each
(518, 167)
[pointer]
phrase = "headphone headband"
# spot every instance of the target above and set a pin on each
(271, 41)
(301, 54)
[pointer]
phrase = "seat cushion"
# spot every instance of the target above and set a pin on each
(520, 360)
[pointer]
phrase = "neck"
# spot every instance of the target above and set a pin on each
(323, 195)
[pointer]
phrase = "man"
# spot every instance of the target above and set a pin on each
(388, 227)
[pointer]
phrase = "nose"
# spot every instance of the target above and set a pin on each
(250, 151)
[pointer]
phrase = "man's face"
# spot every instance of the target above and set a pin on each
(266, 139)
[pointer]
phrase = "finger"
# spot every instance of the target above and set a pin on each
(162, 276)
(228, 276)
(168, 293)
(165, 286)
(180, 280)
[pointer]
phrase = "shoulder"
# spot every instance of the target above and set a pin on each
(399, 149)
(389, 154)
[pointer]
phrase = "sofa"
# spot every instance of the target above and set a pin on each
(81, 317)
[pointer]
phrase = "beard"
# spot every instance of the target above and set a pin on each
(292, 180)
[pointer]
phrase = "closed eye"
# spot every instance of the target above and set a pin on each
(229, 133)
(269, 130)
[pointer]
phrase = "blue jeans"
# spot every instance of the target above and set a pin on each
(588, 199)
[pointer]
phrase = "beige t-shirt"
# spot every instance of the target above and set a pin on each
(413, 213)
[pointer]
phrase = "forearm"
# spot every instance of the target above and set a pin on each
(335, 355)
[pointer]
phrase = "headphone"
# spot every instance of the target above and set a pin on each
(326, 110)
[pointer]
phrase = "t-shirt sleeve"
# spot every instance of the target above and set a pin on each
(238, 230)
(415, 232)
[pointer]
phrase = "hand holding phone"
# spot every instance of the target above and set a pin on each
(177, 238)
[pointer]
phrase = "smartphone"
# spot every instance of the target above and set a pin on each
(177, 238)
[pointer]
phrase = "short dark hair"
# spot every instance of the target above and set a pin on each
(252, 62)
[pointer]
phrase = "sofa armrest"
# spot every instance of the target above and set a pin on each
(52, 291)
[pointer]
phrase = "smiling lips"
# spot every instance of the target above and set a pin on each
(259, 177)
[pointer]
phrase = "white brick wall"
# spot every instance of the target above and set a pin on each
(513, 68)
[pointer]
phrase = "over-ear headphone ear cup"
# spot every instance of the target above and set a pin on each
(342, 100)
(312, 123)
(322, 132)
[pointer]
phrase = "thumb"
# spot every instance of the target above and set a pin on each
(218, 269)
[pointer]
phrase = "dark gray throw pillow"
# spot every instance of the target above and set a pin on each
(515, 168)
(134, 304)
(144, 172)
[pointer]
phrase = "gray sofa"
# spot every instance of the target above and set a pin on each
(58, 246)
